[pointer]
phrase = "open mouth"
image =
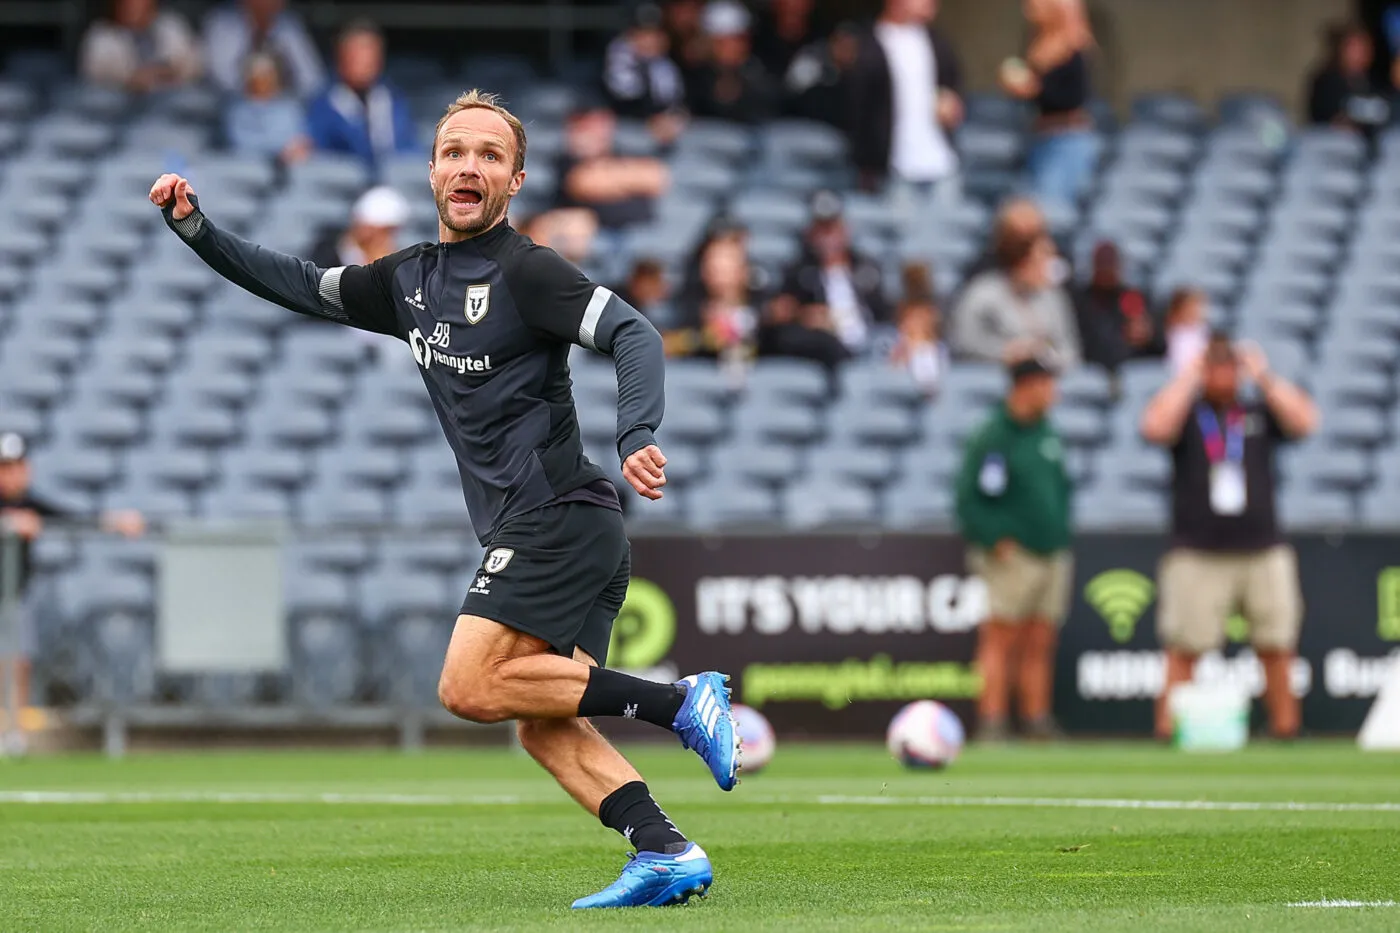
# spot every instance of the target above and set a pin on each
(466, 196)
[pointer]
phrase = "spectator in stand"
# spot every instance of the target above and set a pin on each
(719, 315)
(619, 190)
(919, 348)
(1017, 310)
(1055, 76)
(641, 81)
(831, 273)
(140, 48)
(1227, 551)
(685, 34)
(1186, 331)
(905, 101)
(360, 114)
(783, 31)
(817, 85)
(649, 291)
(375, 222)
(1340, 93)
(1114, 322)
(733, 84)
(1017, 219)
(264, 121)
(23, 514)
(236, 30)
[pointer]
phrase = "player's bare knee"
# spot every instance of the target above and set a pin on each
(469, 698)
(539, 733)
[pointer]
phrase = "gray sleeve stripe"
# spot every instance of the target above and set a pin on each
(330, 287)
(588, 327)
(190, 226)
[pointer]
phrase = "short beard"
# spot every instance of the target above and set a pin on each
(494, 209)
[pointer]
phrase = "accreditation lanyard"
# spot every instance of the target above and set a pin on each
(1225, 451)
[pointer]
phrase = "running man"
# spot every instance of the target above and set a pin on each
(490, 318)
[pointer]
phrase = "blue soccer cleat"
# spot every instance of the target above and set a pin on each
(655, 880)
(706, 725)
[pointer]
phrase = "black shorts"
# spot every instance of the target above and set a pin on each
(559, 573)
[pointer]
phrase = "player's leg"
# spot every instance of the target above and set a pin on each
(597, 775)
(1273, 604)
(1196, 593)
(1039, 639)
(548, 577)
(489, 677)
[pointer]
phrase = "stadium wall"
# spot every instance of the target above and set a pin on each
(1203, 48)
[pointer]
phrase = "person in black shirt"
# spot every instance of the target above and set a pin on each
(22, 517)
(1340, 93)
(784, 28)
(1055, 77)
(490, 319)
(1115, 324)
(817, 84)
(641, 80)
(1227, 553)
(732, 84)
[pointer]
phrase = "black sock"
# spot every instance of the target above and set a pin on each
(631, 811)
(613, 693)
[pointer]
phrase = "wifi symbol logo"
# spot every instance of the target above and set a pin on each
(1121, 597)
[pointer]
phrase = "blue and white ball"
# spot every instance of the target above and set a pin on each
(925, 734)
(756, 740)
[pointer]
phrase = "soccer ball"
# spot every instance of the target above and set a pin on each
(755, 738)
(925, 734)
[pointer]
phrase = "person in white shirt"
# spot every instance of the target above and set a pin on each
(140, 47)
(905, 101)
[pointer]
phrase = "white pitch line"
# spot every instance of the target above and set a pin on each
(102, 797)
(449, 800)
(1332, 903)
(1102, 803)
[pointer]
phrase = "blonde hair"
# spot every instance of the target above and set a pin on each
(477, 99)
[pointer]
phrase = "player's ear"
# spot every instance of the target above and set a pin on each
(516, 182)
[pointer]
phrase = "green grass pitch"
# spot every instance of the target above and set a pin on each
(829, 838)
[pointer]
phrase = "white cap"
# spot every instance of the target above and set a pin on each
(381, 207)
(725, 18)
(11, 447)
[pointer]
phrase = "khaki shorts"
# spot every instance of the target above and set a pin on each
(1198, 592)
(1026, 585)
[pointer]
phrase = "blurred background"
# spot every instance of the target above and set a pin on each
(252, 526)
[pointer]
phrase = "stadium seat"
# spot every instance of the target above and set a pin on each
(913, 503)
(718, 505)
(823, 502)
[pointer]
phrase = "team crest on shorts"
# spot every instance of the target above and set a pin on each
(478, 302)
(498, 559)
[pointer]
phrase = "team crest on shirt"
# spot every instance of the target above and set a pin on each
(478, 302)
(497, 560)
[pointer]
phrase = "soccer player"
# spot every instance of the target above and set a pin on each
(490, 318)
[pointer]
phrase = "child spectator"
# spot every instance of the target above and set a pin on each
(1187, 331)
(919, 348)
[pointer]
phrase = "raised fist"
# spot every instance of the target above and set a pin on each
(170, 186)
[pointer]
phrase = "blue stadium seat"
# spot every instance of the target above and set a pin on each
(717, 505)
(914, 503)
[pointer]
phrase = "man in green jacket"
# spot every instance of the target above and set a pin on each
(1013, 501)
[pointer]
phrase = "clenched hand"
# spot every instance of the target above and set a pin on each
(644, 470)
(173, 186)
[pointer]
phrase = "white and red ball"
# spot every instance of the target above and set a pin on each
(756, 739)
(925, 734)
